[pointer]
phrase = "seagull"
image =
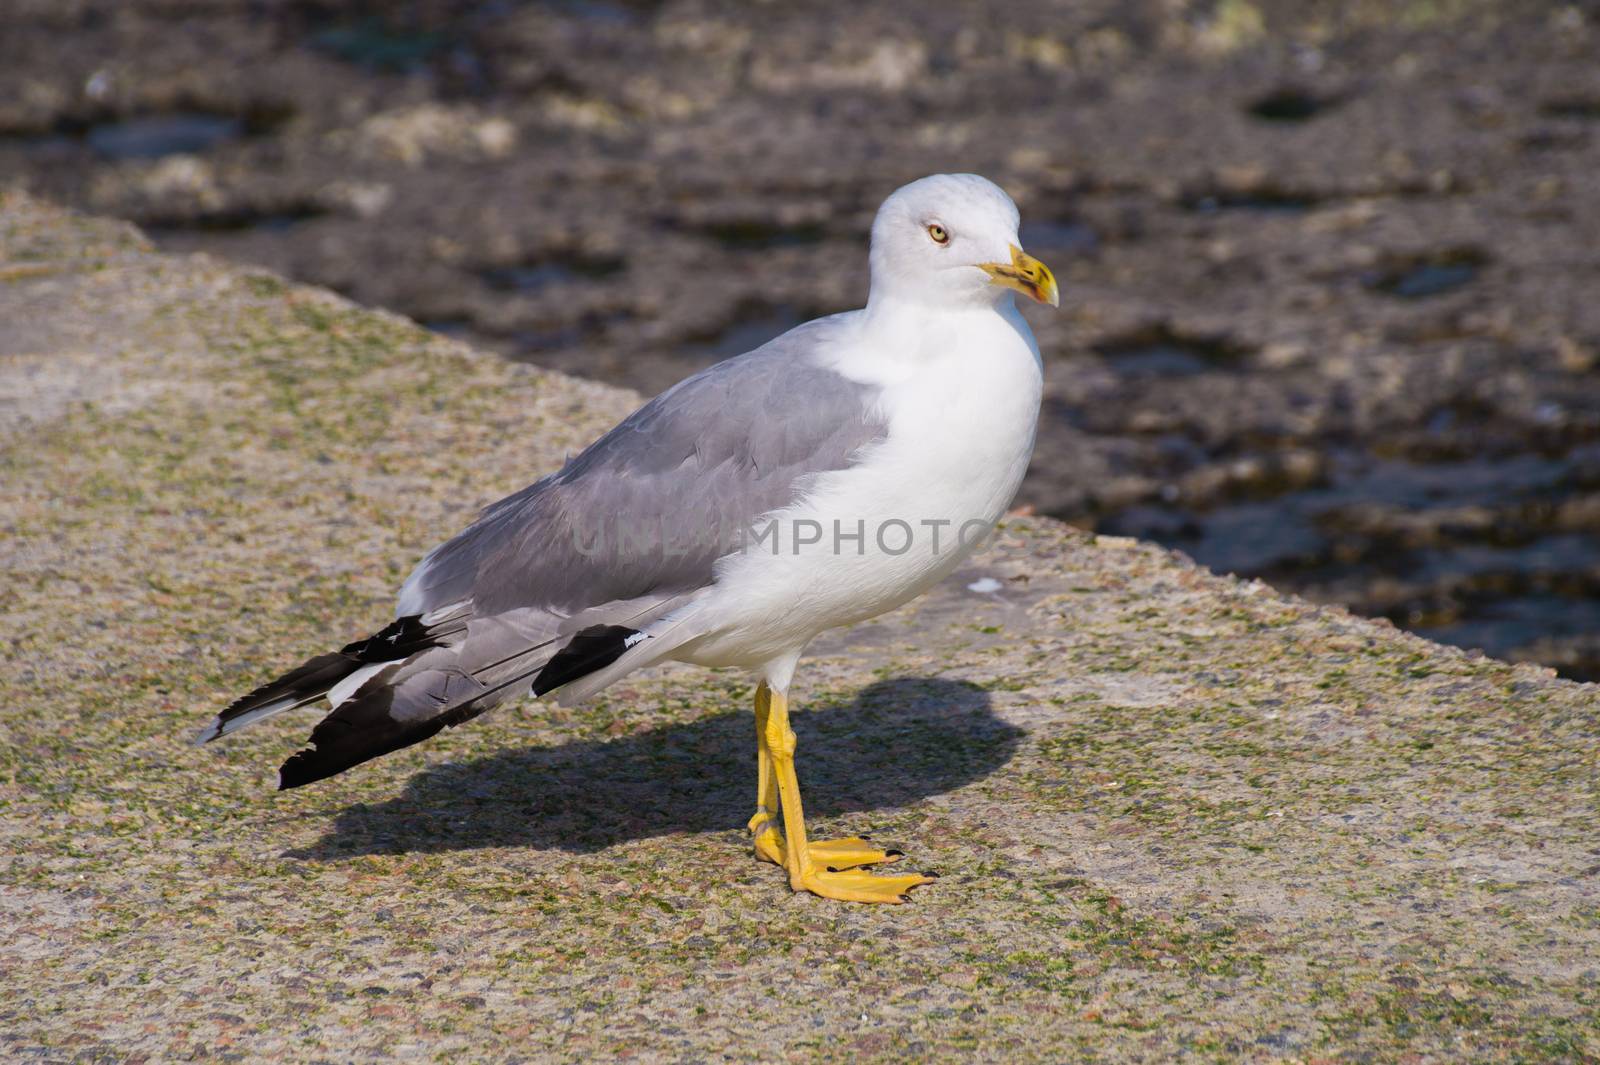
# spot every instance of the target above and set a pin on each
(830, 475)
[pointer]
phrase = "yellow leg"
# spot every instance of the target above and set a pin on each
(763, 826)
(831, 854)
(814, 867)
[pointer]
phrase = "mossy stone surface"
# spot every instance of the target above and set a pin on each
(1176, 815)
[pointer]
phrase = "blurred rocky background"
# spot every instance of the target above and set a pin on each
(1330, 271)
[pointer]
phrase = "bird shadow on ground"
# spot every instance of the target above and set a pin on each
(897, 742)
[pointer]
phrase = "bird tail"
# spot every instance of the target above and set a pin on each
(414, 700)
(427, 673)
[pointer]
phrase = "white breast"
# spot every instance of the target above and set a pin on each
(962, 406)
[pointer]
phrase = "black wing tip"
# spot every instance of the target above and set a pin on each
(402, 638)
(306, 682)
(316, 676)
(589, 650)
(302, 768)
(359, 731)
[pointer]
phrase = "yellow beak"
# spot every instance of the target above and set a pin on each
(1026, 275)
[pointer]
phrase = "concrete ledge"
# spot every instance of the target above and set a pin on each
(1176, 814)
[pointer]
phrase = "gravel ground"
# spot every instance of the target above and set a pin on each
(1177, 815)
(1328, 269)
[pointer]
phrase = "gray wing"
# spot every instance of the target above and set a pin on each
(558, 581)
(561, 577)
(648, 508)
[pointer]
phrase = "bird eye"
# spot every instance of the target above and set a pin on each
(939, 233)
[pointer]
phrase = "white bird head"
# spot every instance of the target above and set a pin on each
(951, 240)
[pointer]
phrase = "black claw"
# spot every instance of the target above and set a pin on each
(894, 854)
(831, 869)
(929, 873)
(863, 835)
